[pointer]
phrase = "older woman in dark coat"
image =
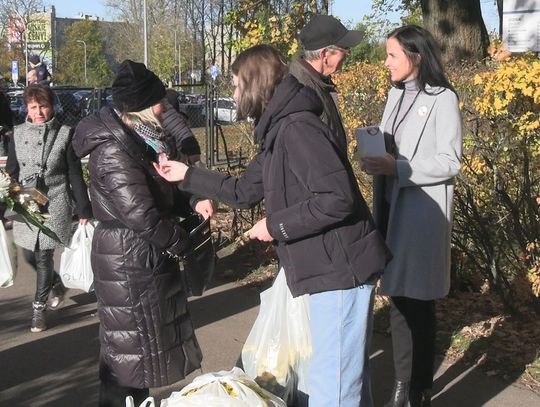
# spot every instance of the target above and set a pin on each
(147, 338)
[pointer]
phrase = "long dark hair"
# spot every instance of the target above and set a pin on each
(259, 69)
(418, 43)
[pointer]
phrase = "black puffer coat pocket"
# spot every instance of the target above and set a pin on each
(368, 256)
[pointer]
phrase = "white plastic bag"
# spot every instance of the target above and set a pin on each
(277, 351)
(8, 259)
(224, 389)
(75, 268)
(148, 402)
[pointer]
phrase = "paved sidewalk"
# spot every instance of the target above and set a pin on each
(58, 367)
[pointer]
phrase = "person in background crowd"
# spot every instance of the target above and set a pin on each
(32, 76)
(413, 203)
(186, 143)
(42, 73)
(6, 123)
(41, 147)
(146, 334)
(6, 131)
(325, 44)
(315, 213)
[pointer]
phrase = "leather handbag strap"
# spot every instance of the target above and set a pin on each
(46, 152)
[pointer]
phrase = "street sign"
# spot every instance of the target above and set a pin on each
(521, 25)
(15, 72)
(214, 72)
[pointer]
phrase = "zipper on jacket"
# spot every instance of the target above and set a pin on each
(356, 283)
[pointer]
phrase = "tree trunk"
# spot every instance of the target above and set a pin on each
(500, 11)
(458, 27)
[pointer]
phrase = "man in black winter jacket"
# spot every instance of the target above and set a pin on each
(325, 45)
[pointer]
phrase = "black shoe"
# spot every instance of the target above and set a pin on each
(39, 312)
(56, 297)
(400, 395)
(420, 398)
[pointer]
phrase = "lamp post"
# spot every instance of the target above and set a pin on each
(85, 77)
(25, 23)
(145, 34)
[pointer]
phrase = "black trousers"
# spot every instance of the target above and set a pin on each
(413, 340)
(42, 262)
(111, 394)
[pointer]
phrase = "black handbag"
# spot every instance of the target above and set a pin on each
(34, 181)
(200, 259)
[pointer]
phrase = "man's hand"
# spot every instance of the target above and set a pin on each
(260, 232)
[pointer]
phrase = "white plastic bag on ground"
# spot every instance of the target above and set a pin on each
(75, 268)
(277, 351)
(8, 259)
(149, 402)
(224, 389)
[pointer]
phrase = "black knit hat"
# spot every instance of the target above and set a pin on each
(323, 31)
(135, 88)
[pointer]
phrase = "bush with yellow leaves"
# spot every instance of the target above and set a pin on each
(362, 95)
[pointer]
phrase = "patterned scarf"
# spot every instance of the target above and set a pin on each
(153, 138)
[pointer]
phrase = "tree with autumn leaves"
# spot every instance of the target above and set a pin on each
(71, 58)
(497, 214)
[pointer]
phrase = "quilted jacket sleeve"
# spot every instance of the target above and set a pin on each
(123, 183)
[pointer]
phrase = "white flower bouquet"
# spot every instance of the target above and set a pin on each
(27, 203)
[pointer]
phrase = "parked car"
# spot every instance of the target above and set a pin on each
(196, 98)
(195, 113)
(225, 110)
(71, 111)
(80, 94)
(15, 103)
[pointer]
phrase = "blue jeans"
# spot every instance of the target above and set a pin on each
(341, 330)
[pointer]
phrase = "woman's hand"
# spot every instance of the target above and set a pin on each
(385, 165)
(172, 171)
(205, 208)
(260, 232)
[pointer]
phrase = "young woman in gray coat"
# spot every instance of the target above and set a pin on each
(41, 145)
(413, 202)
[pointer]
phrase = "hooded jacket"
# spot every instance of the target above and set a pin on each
(146, 334)
(326, 90)
(323, 229)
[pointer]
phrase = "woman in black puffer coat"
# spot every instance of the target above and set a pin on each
(147, 337)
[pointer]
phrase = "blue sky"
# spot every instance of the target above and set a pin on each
(347, 10)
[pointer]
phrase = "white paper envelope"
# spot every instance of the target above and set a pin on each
(370, 142)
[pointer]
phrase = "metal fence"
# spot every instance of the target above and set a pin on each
(193, 101)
